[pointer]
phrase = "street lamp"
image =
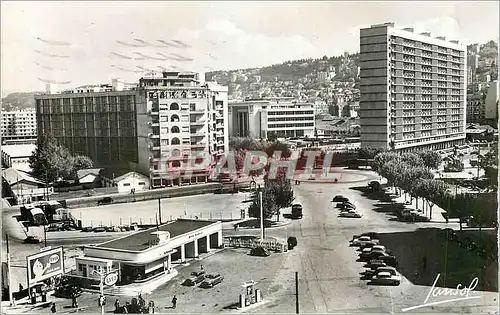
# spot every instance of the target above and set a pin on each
(101, 287)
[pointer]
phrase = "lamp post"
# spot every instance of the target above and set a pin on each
(101, 287)
(261, 216)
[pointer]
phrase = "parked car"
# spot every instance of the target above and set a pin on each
(367, 252)
(370, 272)
(339, 198)
(211, 280)
(389, 260)
(350, 214)
(372, 235)
(386, 278)
(194, 279)
(345, 205)
(374, 264)
(363, 240)
(105, 201)
(377, 255)
(296, 211)
(67, 291)
(31, 240)
(87, 229)
(99, 229)
(260, 251)
(374, 186)
(292, 242)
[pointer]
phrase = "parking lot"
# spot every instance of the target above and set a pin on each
(235, 265)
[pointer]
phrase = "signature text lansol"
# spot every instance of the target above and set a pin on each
(461, 292)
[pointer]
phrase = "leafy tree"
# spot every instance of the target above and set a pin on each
(276, 146)
(80, 162)
(272, 136)
(382, 158)
(245, 143)
(431, 159)
(276, 195)
(412, 159)
(431, 190)
(51, 161)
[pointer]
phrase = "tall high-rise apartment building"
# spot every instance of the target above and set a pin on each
(18, 125)
(159, 122)
(413, 89)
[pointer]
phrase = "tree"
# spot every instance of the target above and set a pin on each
(277, 146)
(431, 190)
(382, 158)
(431, 159)
(80, 162)
(245, 143)
(272, 137)
(412, 159)
(276, 195)
(51, 161)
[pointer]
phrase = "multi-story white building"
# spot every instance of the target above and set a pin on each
(183, 114)
(283, 117)
(413, 89)
(150, 129)
(18, 124)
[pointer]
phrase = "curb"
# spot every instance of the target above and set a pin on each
(287, 222)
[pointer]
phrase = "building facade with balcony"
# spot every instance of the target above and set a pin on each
(150, 129)
(283, 117)
(183, 116)
(18, 125)
(413, 90)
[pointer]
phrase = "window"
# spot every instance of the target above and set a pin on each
(176, 141)
(174, 118)
(175, 129)
(126, 184)
(174, 106)
(142, 183)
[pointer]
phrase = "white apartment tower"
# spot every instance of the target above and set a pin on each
(183, 115)
(413, 89)
(19, 124)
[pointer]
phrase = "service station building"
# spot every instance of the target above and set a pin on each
(147, 254)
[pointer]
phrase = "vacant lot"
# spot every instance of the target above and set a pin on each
(425, 253)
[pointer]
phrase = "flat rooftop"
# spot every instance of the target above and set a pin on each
(140, 241)
(19, 150)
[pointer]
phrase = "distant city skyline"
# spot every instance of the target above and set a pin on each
(93, 42)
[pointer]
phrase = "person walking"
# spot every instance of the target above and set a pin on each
(53, 308)
(201, 268)
(74, 303)
(174, 302)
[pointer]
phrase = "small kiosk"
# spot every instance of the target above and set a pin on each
(250, 294)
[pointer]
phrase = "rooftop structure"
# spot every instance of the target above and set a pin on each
(413, 89)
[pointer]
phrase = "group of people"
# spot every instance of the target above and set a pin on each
(138, 305)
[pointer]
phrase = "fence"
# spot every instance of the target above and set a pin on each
(253, 243)
(169, 192)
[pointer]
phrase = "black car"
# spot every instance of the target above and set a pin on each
(292, 242)
(260, 251)
(389, 260)
(31, 240)
(67, 291)
(346, 205)
(105, 201)
(340, 198)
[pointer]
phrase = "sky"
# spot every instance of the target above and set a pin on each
(76, 43)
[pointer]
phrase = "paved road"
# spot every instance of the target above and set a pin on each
(329, 279)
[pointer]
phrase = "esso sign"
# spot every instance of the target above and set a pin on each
(111, 279)
(54, 259)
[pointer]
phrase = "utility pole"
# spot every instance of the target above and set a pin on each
(159, 209)
(45, 235)
(11, 289)
(296, 292)
(261, 216)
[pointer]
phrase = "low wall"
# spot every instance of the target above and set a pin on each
(253, 243)
(169, 192)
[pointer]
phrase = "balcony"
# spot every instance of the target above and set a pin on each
(198, 134)
(219, 108)
(219, 134)
(198, 145)
(219, 126)
(197, 122)
(154, 147)
(154, 123)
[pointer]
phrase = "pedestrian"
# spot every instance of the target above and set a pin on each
(117, 305)
(151, 307)
(235, 227)
(53, 308)
(126, 307)
(201, 267)
(174, 302)
(21, 288)
(74, 303)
